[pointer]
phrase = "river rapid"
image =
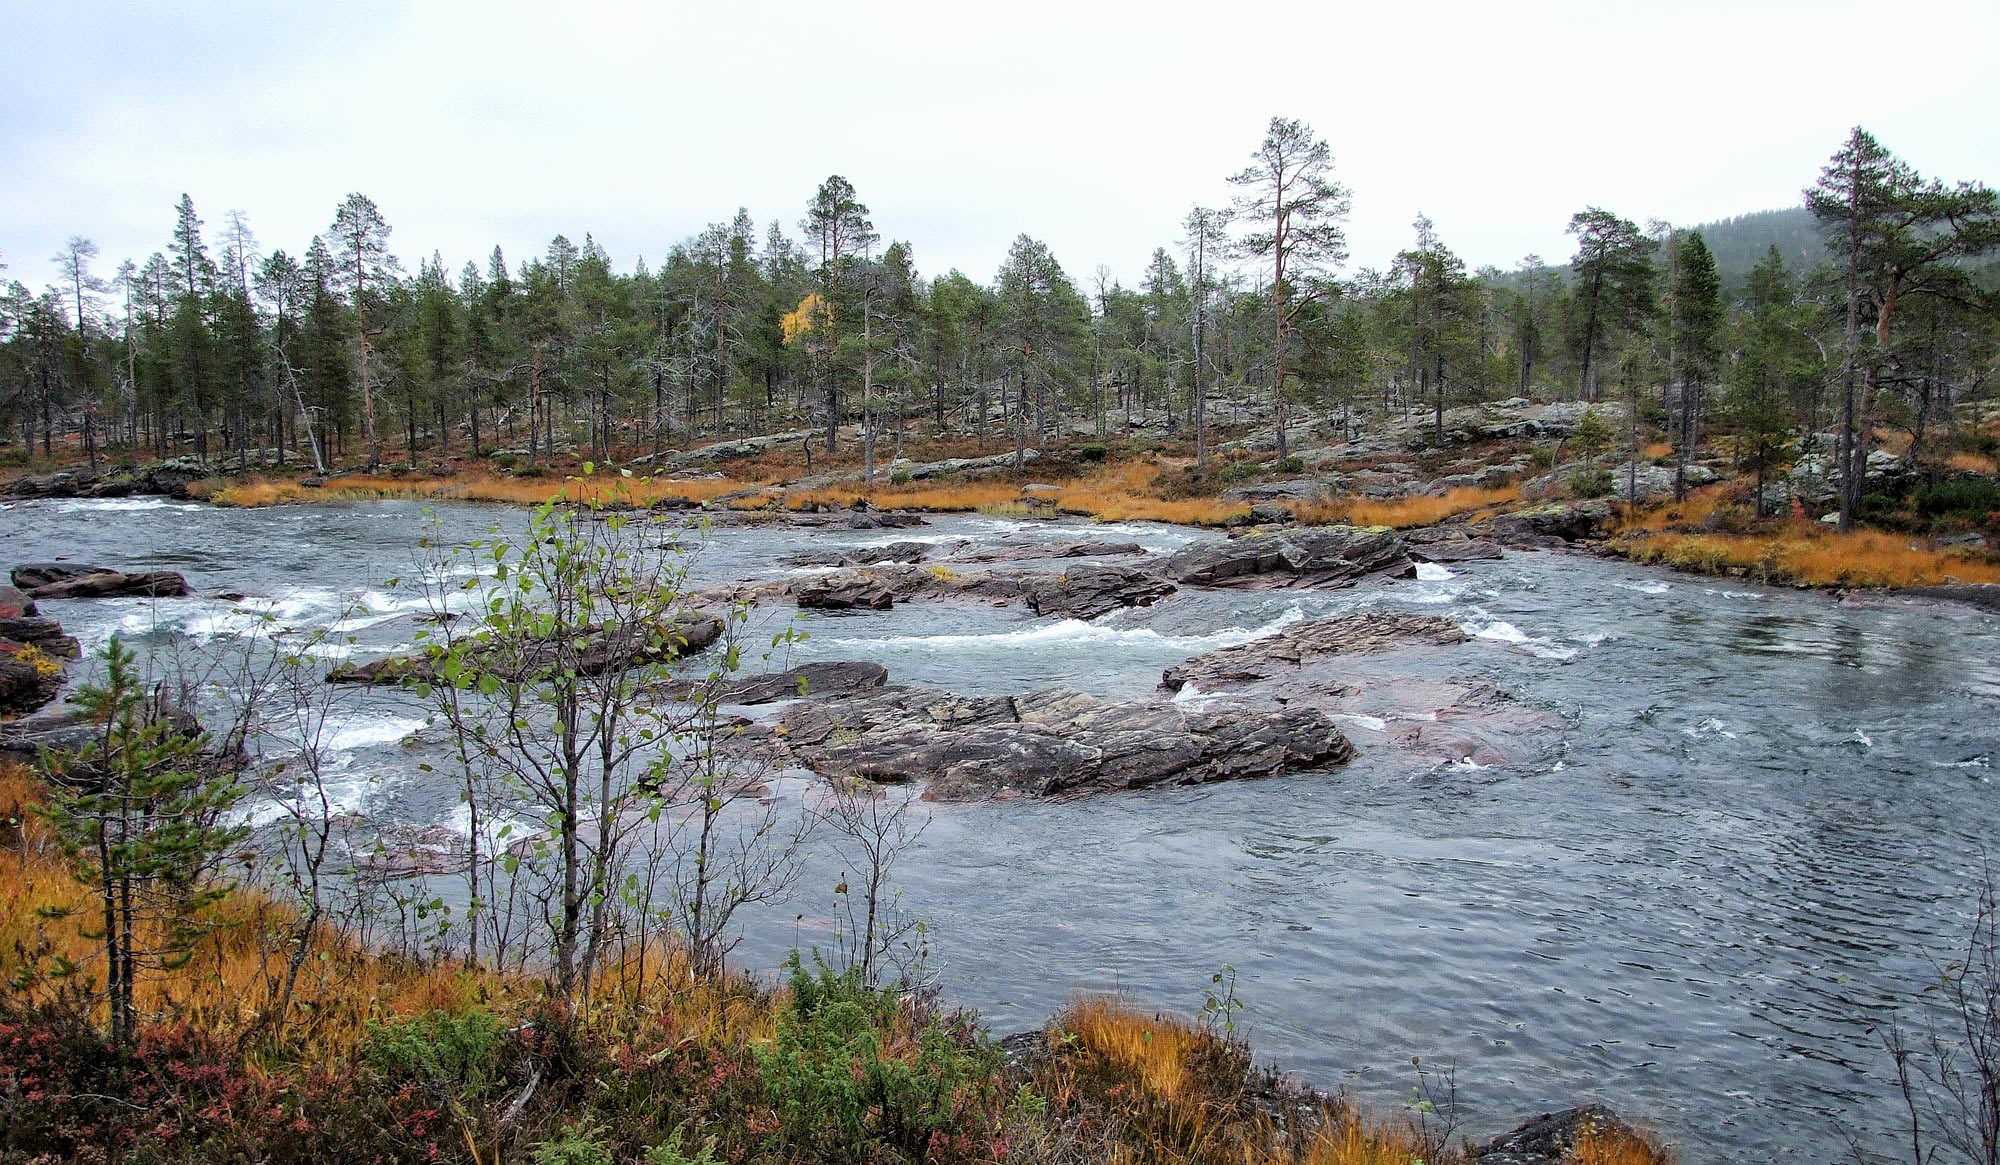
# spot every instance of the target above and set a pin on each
(1765, 819)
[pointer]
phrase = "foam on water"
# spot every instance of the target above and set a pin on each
(1432, 572)
(1650, 587)
(1501, 631)
(1076, 634)
(350, 732)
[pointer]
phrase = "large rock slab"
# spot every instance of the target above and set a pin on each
(1043, 551)
(1556, 524)
(595, 655)
(820, 679)
(1285, 652)
(63, 580)
(1306, 556)
(1048, 743)
(1394, 681)
(33, 648)
(1085, 590)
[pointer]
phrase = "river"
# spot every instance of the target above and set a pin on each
(1765, 818)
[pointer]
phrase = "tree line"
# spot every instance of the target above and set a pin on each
(338, 353)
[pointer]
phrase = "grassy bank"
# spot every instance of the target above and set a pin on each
(1712, 532)
(379, 1059)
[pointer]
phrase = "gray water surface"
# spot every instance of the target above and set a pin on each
(1767, 816)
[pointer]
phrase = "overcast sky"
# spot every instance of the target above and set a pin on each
(1092, 126)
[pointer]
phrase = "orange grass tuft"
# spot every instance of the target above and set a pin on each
(1403, 513)
(1975, 463)
(1811, 555)
(604, 488)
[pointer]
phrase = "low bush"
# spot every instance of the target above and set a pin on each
(1590, 483)
(1969, 498)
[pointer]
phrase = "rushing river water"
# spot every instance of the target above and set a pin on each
(1766, 817)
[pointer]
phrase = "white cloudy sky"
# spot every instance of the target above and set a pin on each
(1093, 126)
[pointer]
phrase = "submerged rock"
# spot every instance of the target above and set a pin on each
(1048, 743)
(1306, 556)
(863, 555)
(62, 580)
(1985, 596)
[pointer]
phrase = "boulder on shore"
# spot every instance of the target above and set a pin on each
(32, 650)
(1047, 743)
(63, 580)
(596, 654)
(1305, 556)
(1556, 524)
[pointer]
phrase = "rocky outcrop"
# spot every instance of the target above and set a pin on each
(817, 680)
(1387, 678)
(63, 580)
(1048, 743)
(1306, 556)
(596, 654)
(962, 466)
(1556, 524)
(1449, 544)
(1285, 652)
(863, 555)
(1085, 590)
(170, 477)
(33, 651)
(1549, 1138)
(1036, 551)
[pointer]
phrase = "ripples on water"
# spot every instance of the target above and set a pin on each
(1768, 813)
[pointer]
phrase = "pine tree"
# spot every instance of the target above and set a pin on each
(146, 808)
(365, 269)
(1613, 273)
(1697, 306)
(1295, 212)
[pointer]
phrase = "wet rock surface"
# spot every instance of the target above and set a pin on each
(1046, 743)
(1305, 556)
(1553, 525)
(597, 654)
(63, 580)
(1549, 1138)
(823, 678)
(1392, 680)
(1085, 590)
(33, 654)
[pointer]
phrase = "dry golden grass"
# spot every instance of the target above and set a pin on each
(605, 488)
(1976, 463)
(1811, 555)
(1114, 493)
(1403, 513)
(1192, 1108)
(1656, 450)
(238, 962)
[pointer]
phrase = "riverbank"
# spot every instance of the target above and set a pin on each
(368, 1058)
(1713, 532)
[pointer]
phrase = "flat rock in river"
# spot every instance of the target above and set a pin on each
(1048, 743)
(831, 677)
(62, 580)
(1303, 556)
(1392, 680)
(592, 654)
(1085, 590)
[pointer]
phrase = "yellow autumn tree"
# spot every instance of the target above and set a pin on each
(811, 315)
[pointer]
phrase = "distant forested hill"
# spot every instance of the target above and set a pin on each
(1738, 243)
